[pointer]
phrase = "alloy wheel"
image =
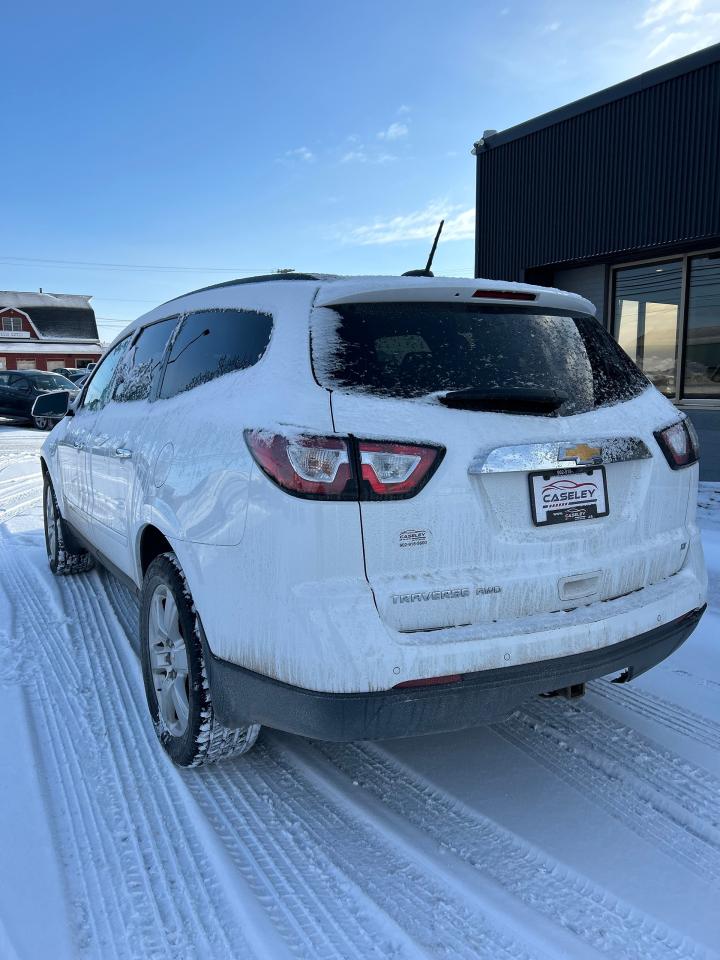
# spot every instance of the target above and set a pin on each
(168, 661)
(50, 523)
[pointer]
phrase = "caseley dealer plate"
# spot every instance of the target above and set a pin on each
(567, 495)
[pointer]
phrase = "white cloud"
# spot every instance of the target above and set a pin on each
(668, 41)
(394, 132)
(300, 153)
(361, 154)
(551, 27)
(418, 225)
(684, 25)
(403, 108)
(354, 156)
(680, 11)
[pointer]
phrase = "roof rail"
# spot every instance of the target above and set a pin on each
(262, 278)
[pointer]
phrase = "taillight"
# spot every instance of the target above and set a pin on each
(343, 468)
(312, 467)
(395, 469)
(679, 443)
(504, 295)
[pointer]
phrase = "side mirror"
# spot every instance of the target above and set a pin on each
(55, 404)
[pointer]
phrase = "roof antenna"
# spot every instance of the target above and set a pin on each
(427, 272)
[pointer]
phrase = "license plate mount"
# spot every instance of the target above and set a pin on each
(565, 496)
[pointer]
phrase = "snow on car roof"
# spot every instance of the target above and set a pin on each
(354, 289)
(342, 286)
(334, 289)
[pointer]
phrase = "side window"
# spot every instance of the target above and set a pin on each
(98, 391)
(4, 379)
(21, 384)
(211, 343)
(141, 364)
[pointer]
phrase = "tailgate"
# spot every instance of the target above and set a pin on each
(552, 491)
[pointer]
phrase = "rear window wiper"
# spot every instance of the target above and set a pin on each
(506, 399)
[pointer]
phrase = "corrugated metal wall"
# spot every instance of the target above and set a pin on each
(633, 174)
(589, 282)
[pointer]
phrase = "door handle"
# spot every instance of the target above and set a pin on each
(123, 453)
(78, 444)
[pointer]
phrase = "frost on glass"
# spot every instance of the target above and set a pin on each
(425, 350)
(141, 364)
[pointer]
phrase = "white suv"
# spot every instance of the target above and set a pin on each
(376, 507)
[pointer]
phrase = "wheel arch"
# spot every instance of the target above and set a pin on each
(151, 542)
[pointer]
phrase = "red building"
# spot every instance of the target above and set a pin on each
(44, 331)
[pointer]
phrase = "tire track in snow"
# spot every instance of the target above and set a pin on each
(652, 707)
(658, 795)
(18, 494)
(94, 868)
(200, 915)
(90, 864)
(288, 881)
(124, 604)
(317, 853)
(153, 885)
(576, 904)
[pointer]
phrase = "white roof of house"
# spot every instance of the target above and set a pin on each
(20, 299)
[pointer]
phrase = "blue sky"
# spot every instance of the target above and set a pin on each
(157, 147)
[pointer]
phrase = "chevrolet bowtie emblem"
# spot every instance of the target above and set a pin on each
(581, 453)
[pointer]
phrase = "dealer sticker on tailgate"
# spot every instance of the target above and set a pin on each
(568, 495)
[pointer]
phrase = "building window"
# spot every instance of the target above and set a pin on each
(647, 305)
(667, 318)
(702, 340)
(26, 365)
(13, 324)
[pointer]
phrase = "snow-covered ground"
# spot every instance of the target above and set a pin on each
(580, 829)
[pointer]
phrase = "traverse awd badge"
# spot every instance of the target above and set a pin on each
(581, 454)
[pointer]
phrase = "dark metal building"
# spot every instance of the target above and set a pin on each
(617, 197)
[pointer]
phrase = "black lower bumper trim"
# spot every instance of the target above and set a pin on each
(241, 696)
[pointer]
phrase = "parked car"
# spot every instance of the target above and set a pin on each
(376, 507)
(72, 373)
(20, 388)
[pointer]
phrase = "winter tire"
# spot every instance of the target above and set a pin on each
(173, 663)
(61, 560)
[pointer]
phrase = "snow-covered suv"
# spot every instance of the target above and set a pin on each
(376, 507)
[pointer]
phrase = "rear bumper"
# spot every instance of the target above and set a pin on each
(241, 696)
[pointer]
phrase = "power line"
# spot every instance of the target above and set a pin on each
(122, 300)
(95, 265)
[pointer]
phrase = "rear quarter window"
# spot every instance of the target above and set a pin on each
(211, 343)
(423, 350)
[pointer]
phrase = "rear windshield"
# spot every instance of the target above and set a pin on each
(424, 350)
